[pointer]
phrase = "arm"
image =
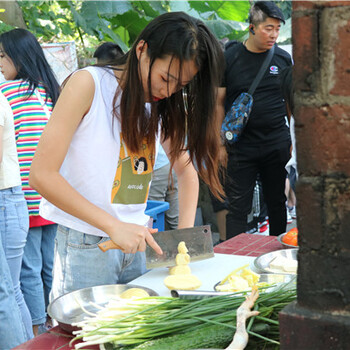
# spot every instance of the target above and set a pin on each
(188, 185)
(74, 102)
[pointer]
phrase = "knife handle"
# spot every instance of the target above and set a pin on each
(104, 246)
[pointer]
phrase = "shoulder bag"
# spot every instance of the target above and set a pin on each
(238, 115)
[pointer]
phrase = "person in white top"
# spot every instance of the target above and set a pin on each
(94, 161)
(14, 225)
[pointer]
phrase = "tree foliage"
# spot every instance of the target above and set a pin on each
(89, 23)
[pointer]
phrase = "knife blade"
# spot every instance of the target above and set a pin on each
(198, 241)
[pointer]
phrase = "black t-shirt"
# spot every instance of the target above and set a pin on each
(267, 121)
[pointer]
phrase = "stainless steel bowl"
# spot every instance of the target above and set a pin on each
(67, 309)
(280, 237)
(263, 261)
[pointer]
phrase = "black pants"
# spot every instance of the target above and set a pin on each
(245, 162)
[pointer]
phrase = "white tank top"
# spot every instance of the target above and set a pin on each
(100, 167)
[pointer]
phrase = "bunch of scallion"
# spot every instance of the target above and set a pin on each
(180, 324)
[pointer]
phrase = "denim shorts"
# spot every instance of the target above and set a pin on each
(80, 263)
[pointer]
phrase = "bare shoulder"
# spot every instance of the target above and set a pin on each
(81, 79)
(78, 92)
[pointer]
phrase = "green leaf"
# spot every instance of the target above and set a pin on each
(286, 32)
(157, 6)
(149, 8)
(132, 22)
(184, 7)
(115, 37)
(226, 29)
(227, 10)
(112, 8)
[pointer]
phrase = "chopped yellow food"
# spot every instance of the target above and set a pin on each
(180, 270)
(182, 282)
(180, 275)
(238, 283)
(234, 272)
(134, 293)
(182, 248)
(250, 276)
(241, 279)
(182, 259)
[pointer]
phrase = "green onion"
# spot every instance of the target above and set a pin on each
(129, 322)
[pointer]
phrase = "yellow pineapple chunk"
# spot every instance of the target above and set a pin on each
(182, 259)
(238, 283)
(181, 248)
(250, 276)
(182, 282)
(134, 293)
(180, 270)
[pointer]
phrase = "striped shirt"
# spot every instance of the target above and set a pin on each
(30, 119)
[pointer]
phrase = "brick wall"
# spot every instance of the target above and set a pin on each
(320, 319)
(321, 44)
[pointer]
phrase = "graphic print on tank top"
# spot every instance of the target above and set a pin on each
(134, 173)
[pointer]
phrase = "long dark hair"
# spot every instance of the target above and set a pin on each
(29, 60)
(190, 126)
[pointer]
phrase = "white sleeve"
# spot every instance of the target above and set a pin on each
(5, 109)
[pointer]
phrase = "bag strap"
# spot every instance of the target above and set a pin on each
(43, 104)
(257, 79)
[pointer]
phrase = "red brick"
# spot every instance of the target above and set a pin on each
(309, 192)
(303, 5)
(306, 329)
(305, 51)
(341, 49)
(323, 139)
(307, 5)
(331, 3)
(326, 287)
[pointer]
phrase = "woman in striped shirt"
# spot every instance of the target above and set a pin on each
(31, 90)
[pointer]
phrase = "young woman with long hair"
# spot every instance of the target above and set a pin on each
(95, 159)
(31, 91)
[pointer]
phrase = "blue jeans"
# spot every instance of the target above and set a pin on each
(14, 224)
(12, 332)
(36, 273)
(80, 263)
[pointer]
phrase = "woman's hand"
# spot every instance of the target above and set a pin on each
(132, 237)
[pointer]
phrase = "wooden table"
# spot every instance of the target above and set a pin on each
(243, 244)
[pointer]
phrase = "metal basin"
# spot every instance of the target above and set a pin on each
(68, 308)
(263, 261)
(280, 237)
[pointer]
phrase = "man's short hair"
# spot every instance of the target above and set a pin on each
(108, 52)
(261, 10)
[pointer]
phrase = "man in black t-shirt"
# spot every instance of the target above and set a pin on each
(264, 145)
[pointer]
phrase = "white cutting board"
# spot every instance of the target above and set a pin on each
(209, 271)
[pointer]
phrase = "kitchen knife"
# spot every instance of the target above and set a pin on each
(198, 241)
